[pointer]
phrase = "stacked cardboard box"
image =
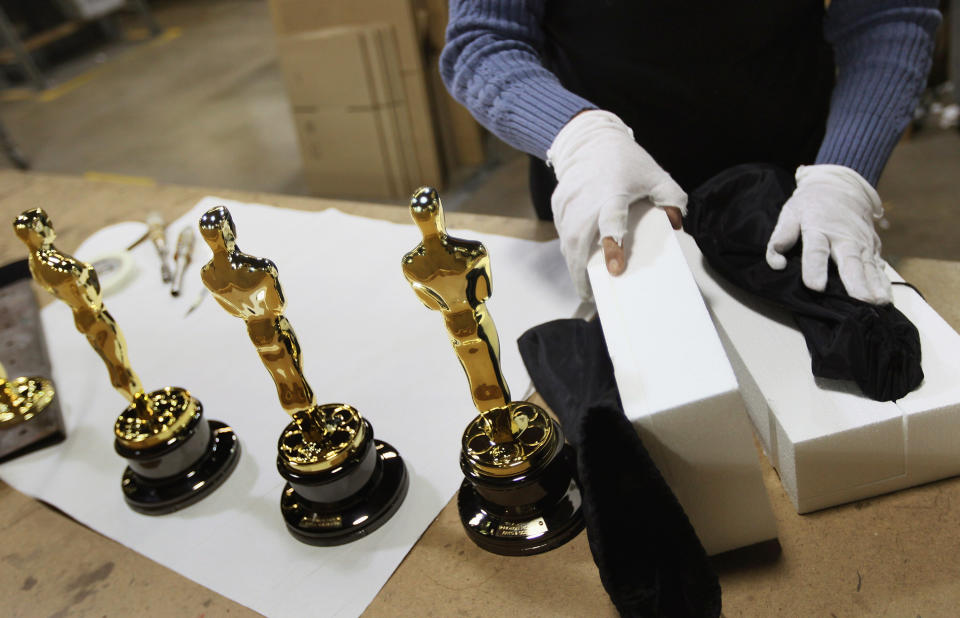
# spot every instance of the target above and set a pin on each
(461, 138)
(360, 87)
(353, 137)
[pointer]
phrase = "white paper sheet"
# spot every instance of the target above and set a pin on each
(366, 339)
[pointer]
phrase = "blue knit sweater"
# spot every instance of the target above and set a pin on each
(491, 64)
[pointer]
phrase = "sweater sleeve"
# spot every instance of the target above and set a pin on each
(491, 64)
(883, 51)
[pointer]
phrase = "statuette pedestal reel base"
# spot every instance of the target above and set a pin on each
(30, 416)
(167, 477)
(525, 514)
(341, 505)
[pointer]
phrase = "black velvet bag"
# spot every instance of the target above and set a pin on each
(650, 560)
(732, 215)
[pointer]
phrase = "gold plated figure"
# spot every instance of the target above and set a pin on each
(342, 483)
(22, 398)
(150, 419)
(75, 283)
(452, 276)
(174, 456)
(518, 496)
(248, 288)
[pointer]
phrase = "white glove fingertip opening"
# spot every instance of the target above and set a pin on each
(668, 193)
(612, 220)
(775, 260)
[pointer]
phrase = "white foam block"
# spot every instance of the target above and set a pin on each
(829, 442)
(678, 388)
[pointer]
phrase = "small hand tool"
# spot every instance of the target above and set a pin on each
(181, 258)
(155, 230)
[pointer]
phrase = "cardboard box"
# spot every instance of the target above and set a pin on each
(461, 137)
(402, 51)
(344, 153)
(297, 16)
(829, 443)
(348, 112)
(398, 135)
(424, 135)
(677, 386)
(330, 67)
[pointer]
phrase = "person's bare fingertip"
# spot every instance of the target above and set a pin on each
(615, 266)
(675, 217)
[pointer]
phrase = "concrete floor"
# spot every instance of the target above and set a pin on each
(205, 105)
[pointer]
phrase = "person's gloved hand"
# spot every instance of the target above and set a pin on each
(833, 208)
(600, 172)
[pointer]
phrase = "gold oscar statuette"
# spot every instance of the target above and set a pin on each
(518, 496)
(28, 420)
(174, 457)
(22, 398)
(342, 484)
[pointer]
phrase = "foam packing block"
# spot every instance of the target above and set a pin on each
(678, 388)
(829, 443)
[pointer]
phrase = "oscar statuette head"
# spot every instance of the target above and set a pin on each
(218, 230)
(34, 229)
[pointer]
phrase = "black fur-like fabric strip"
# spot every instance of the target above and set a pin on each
(650, 560)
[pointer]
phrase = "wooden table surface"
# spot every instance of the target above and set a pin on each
(894, 555)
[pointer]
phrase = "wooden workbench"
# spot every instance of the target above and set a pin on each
(896, 555)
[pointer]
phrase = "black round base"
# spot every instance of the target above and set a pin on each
(327, 524)
(161, 496)
(547, 521)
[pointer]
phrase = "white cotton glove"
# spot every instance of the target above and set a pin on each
(833, 208)
(601, 171)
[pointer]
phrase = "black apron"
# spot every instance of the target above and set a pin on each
(704, 85)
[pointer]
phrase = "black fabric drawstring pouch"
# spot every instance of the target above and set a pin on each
(650, 560)
(731, 217)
